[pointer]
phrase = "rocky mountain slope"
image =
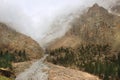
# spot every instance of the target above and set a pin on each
(96, 26)
(11, 41)
(91, 45)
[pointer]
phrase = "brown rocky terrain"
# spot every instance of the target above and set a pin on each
(65, 41)
(96, 26)
(11, 40)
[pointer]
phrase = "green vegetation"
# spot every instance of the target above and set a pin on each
(93, 58)
(66, 57)
(6, 58)
(4, 78)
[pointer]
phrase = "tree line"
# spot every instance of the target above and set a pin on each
(7, 57)
(92, 58)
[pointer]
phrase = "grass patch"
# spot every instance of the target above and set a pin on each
(4, 78)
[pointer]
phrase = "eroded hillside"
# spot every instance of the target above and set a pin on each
(13, 41)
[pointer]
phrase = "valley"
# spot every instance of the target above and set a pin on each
(89, 50)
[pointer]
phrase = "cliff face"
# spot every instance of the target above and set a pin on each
(96, 26)
(11, 40)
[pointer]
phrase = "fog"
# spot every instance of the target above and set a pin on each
(44, 20)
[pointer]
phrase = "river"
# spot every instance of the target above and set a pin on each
(37, 71)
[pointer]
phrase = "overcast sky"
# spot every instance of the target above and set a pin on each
(35, 17)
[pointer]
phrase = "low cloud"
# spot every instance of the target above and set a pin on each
(40, 18)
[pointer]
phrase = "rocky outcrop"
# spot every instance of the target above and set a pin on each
(11, 40)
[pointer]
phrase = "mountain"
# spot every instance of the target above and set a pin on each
(12, 41)
(96, 26)
(91, 45)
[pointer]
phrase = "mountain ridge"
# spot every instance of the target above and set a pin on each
(95, 26)
(11, 41)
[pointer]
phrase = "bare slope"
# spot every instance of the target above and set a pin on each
(11, 40)
(62, 73)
